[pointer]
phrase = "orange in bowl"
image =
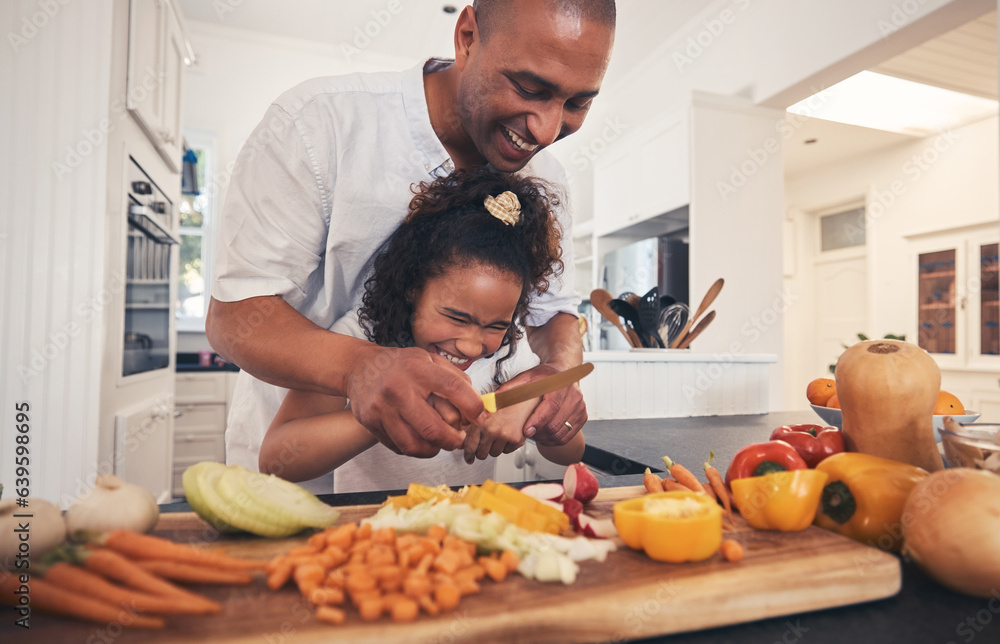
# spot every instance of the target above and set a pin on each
(819, 391)
(948, 405)
(834, 402)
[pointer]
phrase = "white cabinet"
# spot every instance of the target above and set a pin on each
(200, 421)
(158, 53)
(647, 175)
(144, 447)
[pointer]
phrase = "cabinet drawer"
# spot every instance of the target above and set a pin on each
(200, 388)
(200, 418)
(199, 447)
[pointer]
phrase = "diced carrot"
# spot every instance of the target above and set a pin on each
(447, 596)
(416, 585)
(494, 568)
(428, 605)
(510, 560)
(732, 550)
(405, 610)
(331, 615)
(361, 582)
(437, 532)
(385, 535)
(363, 532)
(371, 609)
(280, 575)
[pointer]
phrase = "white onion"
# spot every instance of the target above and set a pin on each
(113, 504)
(38, 529)
(951, 529)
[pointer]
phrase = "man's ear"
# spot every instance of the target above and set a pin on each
(466, 35)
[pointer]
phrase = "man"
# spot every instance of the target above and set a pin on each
(325, 179)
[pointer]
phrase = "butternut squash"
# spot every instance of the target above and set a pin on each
(887, 391)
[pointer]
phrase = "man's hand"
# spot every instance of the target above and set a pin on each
(559, 415)
(411, 401)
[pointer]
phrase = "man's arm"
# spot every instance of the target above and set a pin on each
(392, 391)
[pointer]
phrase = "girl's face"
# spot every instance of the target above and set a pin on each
(464, 314)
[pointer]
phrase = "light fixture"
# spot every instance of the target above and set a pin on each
(895, 105)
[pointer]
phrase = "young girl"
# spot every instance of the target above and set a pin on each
(454, 280)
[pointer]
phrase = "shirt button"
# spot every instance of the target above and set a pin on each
(427, 167)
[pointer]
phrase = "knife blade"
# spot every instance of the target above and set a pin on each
(536, 388)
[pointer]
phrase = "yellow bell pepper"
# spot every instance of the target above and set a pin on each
(785, 501)
(671, 526)
(864, 497)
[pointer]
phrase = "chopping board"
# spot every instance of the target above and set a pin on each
(628, 596)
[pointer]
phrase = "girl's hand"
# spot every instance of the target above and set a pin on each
(500, 434)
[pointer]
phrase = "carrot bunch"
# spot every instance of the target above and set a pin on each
(126, 577)
(680, 478)
(381, 573)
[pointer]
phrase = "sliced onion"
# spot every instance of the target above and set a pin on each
(951, 529)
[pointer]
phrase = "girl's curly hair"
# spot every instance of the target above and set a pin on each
(449, 226)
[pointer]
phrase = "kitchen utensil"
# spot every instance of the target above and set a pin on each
(697, 330)
(706, 301)
(499, 399)
(599, 299)
(666, 300)
(672, 321)
(649, 315)
(631, 316)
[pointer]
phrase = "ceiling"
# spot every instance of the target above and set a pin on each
(962, 60)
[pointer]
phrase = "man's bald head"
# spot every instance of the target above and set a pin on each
(494, 14)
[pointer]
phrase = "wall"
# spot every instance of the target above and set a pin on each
(237, 75)
(940, 182)
(52, 235)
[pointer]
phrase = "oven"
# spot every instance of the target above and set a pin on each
(146, 340)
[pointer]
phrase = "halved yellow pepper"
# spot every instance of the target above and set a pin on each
(785, 501)
(693, 534)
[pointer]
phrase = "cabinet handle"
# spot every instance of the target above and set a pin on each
(178, 413)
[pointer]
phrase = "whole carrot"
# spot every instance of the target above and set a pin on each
(715, 479)
(145, 546)
(114, 566)
(90, 584)
(652, 482)
(176, 571)
(49, 597)
(670, 485)
(683, 475)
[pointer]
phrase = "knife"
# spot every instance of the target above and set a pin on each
(536, 388)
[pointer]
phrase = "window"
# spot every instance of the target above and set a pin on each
(842, 230)
(197, 225)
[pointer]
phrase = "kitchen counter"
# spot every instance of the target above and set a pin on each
(923, 611)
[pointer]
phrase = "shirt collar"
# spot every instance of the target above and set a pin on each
(432, 155)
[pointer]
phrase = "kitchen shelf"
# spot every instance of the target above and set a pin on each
(939, 305)
(937, 274)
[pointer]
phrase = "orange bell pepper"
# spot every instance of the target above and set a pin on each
(785, 501)
(671, 526)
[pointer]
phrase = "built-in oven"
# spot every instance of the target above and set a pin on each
(148, 275)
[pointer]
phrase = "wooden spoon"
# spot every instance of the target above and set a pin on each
(599, 299)
(710, 296)
(696, 331)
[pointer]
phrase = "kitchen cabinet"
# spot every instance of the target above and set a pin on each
(158, 53)
(202, 404)
(646, 175)
(956, 310)
(143, 447)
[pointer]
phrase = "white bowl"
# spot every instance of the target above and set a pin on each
(832, 417)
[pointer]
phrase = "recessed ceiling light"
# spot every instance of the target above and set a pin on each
(895, 105)
(449, 8)
(810, 141)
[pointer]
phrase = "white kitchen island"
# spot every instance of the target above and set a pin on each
(672, 383)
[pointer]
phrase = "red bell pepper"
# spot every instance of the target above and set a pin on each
(758, 459)
(812, 442)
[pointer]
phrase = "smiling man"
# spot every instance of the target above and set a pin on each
(325, 179)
